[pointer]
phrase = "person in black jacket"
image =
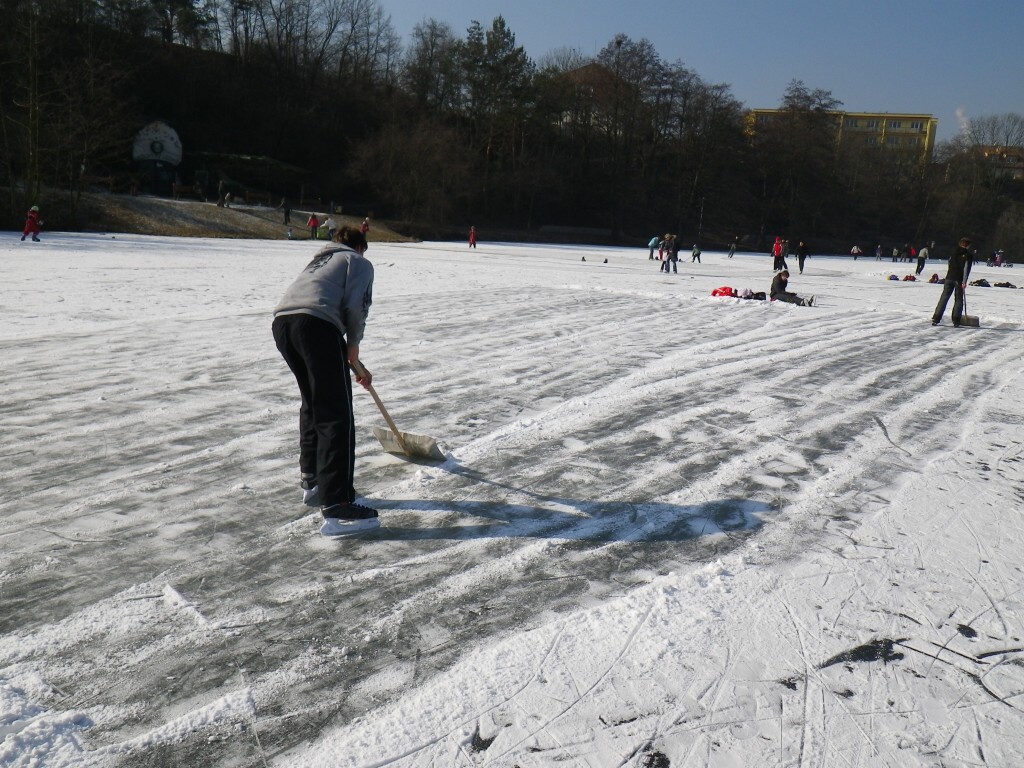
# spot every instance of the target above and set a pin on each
(672, 257)
(802, 252)
(960, 264)
(780, 291)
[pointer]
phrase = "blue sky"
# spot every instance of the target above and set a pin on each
(943, 57)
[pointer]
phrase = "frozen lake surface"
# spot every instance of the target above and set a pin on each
(672, 530)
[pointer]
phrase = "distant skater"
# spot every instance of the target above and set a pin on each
(672, 257)
(922, 257)
(313, 222)
(802, 252)
(652, 244)
(960, 264)
(695, 254)
(732, 248)
(33, 224)
(472, 237)
(778, 256)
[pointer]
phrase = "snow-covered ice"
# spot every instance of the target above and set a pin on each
(673, 530)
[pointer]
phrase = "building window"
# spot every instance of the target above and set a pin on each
(852, 122)
(872, 141)
(895, 123)
(873, 124)
(917, 125)
(891, 141)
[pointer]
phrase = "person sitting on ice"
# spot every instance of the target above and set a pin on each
(780, 291)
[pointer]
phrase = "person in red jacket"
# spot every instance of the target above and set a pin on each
(33, 225)
(472, 237)
(779, 256)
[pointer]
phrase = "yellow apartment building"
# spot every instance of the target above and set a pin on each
(905, 132)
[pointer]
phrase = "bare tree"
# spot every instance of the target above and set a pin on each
(431, 68)
(298, 35)
(1006, 130)
(562, 60)
(365, 47)
(242, 21)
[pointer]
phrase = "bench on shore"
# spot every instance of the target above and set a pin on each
(262, 198)
(194, 192)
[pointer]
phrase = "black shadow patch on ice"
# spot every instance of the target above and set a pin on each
(876, 650)
(572, 519)
(546, 516)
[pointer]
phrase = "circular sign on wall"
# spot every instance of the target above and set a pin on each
(157, 141)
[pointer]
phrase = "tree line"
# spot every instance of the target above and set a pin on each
(451, 128)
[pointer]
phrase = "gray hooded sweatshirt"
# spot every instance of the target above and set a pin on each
(336, 286)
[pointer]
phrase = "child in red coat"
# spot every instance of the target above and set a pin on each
(33, 226)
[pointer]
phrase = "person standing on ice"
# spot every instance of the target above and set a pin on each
(665, 246)
(317, 327)
(33, 224)
(331, 226)
(672, 256)
(922, 257)
(472, 237)
(695, 254)
(802, 252)
(779, 259)
(960, 264)
(313, 222)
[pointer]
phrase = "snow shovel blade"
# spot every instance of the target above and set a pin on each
(971, 321)
(395, 441)
(416, 446)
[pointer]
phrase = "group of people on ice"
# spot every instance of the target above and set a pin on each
(780, 250)
(953, 285)
(668, 252)
(905, 253)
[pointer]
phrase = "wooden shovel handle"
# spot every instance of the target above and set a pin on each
(357, 366)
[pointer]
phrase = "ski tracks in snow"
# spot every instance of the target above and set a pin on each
(603, 440)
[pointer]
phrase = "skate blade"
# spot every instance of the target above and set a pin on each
(336, 529)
